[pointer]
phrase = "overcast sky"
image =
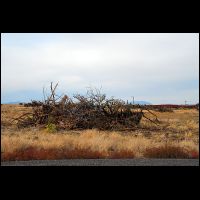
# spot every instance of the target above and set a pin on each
(158, 68)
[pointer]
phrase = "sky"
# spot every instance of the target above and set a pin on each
(159, 68)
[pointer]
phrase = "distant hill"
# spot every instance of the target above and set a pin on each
(143, 102)
(136, 102)
(13, 102)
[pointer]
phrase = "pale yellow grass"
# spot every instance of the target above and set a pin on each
(179, 128)
(89, 139)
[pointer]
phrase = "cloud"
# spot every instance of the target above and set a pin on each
(121, 63)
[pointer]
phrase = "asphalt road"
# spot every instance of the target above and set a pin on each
(106, 162)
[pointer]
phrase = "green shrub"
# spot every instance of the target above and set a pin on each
(50, 127)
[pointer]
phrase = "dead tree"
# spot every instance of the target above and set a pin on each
(93, 110)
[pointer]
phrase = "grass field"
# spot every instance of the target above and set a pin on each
(177, 136)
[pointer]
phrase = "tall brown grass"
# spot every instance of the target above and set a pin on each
(170, 151)
(27, 144)
(177, 136)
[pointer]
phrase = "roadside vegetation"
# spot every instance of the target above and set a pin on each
(177, 136)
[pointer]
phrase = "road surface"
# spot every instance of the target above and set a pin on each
(106, 162)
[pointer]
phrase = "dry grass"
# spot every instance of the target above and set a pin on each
(170, 151)
(177, 136)
(33, 153)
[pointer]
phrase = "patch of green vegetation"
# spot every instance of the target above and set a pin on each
(50, 127)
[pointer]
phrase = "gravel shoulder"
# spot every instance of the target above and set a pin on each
(105, 162)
